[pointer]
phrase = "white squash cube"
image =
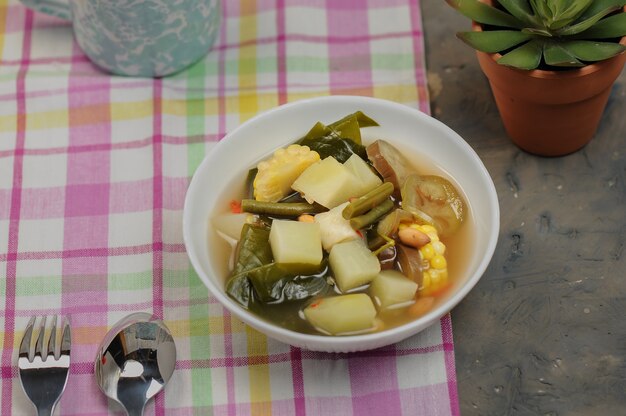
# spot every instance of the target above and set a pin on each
(353, 264)
(334, 227)
(327, 182)
(392, 289)
(342, 315)
(231, 224)
(297, 245)
(366, 177)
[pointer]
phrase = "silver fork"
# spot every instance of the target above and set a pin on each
(43, 372)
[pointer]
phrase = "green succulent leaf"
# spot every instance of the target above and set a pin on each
(535, 31)
(520, 9)
(554, 54)
(590, 51)
(556, 6)
(610, 27)
(569, 14)
(571, 11)
(556, 14)
(494, 40)
(527, 56)
(584, 24)
(482, 13)
(559, 33)
(598, 5)
(541, 9)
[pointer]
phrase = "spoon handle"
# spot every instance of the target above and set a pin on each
(134, 411)
(45, 411)
(133, 400)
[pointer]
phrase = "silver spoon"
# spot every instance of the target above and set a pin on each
(135, 361)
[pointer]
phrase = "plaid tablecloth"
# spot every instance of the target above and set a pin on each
(93, 173)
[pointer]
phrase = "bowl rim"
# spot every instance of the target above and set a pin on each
(399, 332)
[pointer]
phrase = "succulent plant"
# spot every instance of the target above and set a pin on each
(550, 33)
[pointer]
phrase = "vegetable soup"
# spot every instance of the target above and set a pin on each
(330, 236)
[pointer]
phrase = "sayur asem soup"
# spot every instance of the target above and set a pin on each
(338, 238)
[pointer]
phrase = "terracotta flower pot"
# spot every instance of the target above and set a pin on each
(551, 113)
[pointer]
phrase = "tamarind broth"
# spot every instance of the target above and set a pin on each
(289, 314)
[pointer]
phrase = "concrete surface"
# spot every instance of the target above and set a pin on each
(544, 331)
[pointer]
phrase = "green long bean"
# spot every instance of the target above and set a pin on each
(372, 216)
(368, 201)
(286, 209)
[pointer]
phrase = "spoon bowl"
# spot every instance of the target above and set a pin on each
(135, 361)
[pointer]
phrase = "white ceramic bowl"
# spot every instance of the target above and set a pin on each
(418, 134)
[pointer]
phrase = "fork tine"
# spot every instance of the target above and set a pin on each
(52, 341)
(43, 382)
(66, 340)
(42, 331)
(26, 339)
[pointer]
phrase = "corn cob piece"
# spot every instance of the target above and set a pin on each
(435, 266)
(276, 175)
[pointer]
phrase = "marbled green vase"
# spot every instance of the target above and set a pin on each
(143, 38)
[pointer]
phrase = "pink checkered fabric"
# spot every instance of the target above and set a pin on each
(93, 173)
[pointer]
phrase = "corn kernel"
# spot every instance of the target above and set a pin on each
(429, 229)
(402, 226)
(428, 252)
(438, 262)
(444, 275)
(435, 278)
(426, 279)
(439, 247)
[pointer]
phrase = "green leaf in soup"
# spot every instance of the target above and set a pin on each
(318, 130)
(253, 252)
(253, 249)
(340, 149)
(268, 282)
(240, 289)
(347, 128)
(274, 284)
(340, 139)
(350, 126)
(304, 287)
(364, 120)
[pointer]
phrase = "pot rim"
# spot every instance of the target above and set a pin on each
(543, 73)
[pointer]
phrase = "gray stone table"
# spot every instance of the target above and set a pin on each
(544, 331)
